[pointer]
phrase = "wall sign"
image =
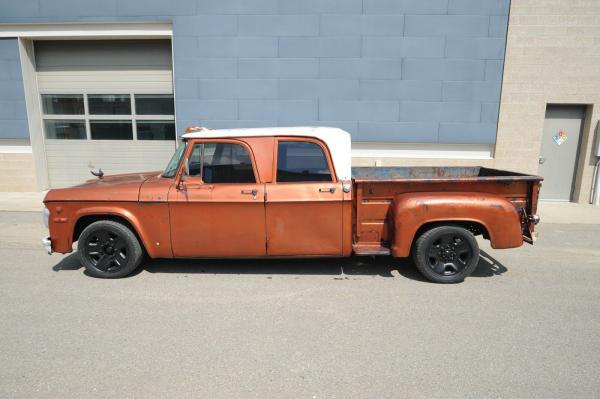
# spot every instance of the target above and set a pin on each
(561, 137)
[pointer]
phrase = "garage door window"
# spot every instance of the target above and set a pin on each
(65, 129)
(109, 104)
(120, 116)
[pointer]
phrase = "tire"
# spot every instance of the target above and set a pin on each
(446, 254)
(109, 249)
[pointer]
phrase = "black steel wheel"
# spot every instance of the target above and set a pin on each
(446, 254)
(109, 249)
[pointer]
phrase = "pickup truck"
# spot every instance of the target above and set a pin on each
(290, 192)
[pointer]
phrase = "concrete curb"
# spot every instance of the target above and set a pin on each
(568, 212)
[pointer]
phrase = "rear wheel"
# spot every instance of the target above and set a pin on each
(446, 254)
(109, 249)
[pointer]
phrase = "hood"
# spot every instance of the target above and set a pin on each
(124, 187)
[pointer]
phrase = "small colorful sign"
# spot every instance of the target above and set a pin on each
(561, 137)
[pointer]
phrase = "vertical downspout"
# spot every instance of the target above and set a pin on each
(595, 195)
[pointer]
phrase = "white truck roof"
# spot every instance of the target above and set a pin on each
(338, 141)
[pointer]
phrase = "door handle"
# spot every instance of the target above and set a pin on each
(253, 192)
(327, 190)
(541, 160)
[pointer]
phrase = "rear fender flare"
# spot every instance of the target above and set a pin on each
(412, 211)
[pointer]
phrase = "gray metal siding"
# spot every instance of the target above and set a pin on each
(13, 114)
(392, 70)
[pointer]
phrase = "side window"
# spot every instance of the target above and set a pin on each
(300, 161)
(195, 160)
(222, 163)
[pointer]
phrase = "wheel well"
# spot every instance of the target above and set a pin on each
(474, 227)
(85, 221)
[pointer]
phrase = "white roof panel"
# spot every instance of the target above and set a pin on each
(338, 141)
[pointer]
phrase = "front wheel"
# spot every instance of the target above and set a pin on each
(109, 249)
(446, 254)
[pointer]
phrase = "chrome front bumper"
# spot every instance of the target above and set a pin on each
(47, 243)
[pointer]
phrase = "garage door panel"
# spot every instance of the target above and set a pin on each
(104, 67)
(103, 54)
(69, 162)
(160, 82)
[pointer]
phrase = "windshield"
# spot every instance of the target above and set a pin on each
(174, 162)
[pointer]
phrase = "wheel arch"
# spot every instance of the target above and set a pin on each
(84, 219)
(474, 226)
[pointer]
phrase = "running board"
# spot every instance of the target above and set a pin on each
(370, 250)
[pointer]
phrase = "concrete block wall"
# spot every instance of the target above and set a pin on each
(17, 172)
(552, 57)
(385, 70)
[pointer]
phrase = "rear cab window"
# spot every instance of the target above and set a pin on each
(301, 161)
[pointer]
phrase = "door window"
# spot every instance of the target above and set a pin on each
(221, 163)
(301, 161)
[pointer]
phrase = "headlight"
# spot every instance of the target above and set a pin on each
(46, 216)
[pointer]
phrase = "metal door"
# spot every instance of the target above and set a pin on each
(305, 203)
(219, 210)
(560, 146)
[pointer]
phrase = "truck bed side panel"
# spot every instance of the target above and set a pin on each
(374, 225)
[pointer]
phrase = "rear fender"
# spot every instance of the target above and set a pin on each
(497, 215)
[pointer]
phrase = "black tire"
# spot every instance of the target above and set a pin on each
(446, 254)
(109, 249)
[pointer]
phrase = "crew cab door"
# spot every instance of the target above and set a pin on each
(304, 203)
(218, 209)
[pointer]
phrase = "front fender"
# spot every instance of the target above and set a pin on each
(150, 222)
(497, 215)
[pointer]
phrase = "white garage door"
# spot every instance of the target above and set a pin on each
(106, 104)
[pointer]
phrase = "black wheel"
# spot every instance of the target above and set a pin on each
(109, 249)
(446, 254)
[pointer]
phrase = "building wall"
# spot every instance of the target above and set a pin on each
(552, 57)
(17, 171)
(385, 70)
(13, 114)
(16, 159)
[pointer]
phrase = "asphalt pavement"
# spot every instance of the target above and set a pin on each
(526, 324)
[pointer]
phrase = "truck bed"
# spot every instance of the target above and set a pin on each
(376, 187)
(426, 173)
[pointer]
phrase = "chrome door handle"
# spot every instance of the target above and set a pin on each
(327, 190)
(541, 160)
(253, 192)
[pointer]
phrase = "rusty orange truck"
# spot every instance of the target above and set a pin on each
(290, 192)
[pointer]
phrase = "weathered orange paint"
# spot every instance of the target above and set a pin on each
(124, 187)
(411, 211)
(216, 220)
(149, 220)
(375, 225)
(188, 218)
(305, 219)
